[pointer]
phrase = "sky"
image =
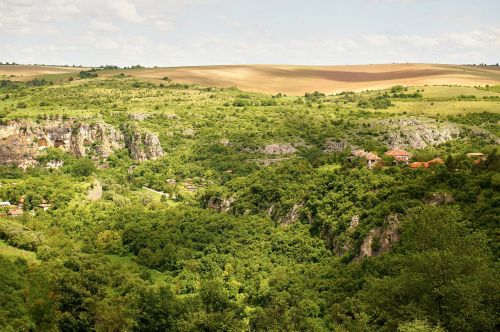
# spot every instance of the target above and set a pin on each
(209, 32)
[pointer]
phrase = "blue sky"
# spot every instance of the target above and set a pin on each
(203, 32)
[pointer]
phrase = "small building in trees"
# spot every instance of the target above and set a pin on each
(45, 206)
(476, 156)
(15, 211)
(399, 155)
(427, 164)
(371, 158)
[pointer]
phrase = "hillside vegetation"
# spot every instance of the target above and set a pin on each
(155, 205)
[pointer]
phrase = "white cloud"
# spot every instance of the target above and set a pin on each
(174, 32)
(125, 10)
(99, 25)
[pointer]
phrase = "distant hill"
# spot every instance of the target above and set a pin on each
(296, 80)
(29, 72)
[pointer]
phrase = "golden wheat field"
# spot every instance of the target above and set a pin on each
(296, 80)
(290, 79)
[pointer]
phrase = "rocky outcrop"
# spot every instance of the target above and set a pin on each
(439, 198)
(188, 133)
(278, 149)
(101, 137)
(293, 215)
(142, 145)
(380, 240)
(331, 146)
(344, 243)
(95, 191)
(220, 204)
(16, 145)
(22, 141)
(418, 134)
(139, 116)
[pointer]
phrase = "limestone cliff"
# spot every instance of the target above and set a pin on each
(141, 144)
(22, 141)
(103, 138)
(418, 134)
(379, 240)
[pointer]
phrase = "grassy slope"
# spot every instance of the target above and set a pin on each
(12, 252)
(89, 98)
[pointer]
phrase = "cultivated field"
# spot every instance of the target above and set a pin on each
(28, 72)
(296, 80)
(292, 80)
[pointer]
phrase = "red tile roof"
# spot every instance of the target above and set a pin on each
(427, 164)
(397, 152)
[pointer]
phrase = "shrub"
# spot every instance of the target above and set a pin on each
(397, 89)
(87, 74)
(240, 102)
(83, 167)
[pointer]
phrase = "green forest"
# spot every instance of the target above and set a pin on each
(252, 213)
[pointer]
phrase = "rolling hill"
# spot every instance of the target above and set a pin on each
(296, 80)
(29, 72)
(290, 79)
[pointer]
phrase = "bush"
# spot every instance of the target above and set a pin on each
(381, 102)
(315, 96)
(37, 82)
(19, 236)
(240, 102)
(397, 89)
(83, 167)
(268, 102)
(87, 74)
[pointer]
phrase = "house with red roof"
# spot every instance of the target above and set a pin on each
(371, 158)
(427, 164)
(399, 155)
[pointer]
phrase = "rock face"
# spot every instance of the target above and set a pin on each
(16, 145)
(102, 136)
(220, 204)
(143, 145)
(293, 215)
(21, 141)
(418, 134)
(379, 240)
